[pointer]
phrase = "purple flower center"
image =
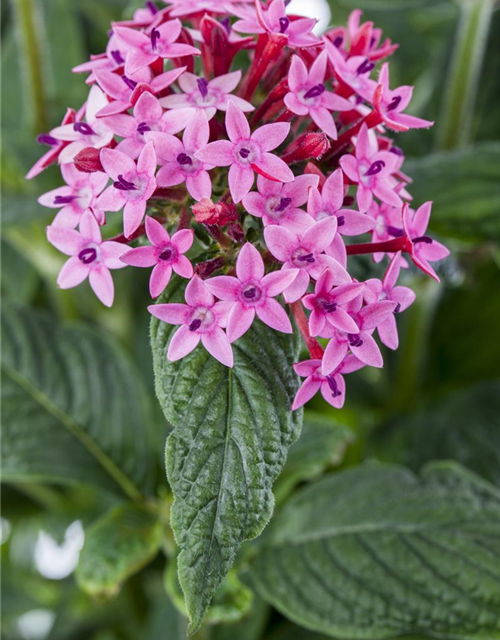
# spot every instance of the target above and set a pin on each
(395, 231)
(398, 308)
(244, 153)
(44, 138)
(196, 324)
(202, 87)
(282, 205)
(87, 255)
(426, 239)
(394, 103)
(329, 307)
(365, 67)
(166, 254)
(155, 36)
(124, 185)
(284, 23)
(375, 168)
(83, 128)
(251, 292)
(131, 84)
(142, 127)
(315, 92)
(309, 257)
(338, 41)
(340, 221)
(152, 7)
(184, 159)
(117, 57)
(64, 199)
(354, 339)
(333, 386)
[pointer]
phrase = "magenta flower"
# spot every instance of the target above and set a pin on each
(178, 160)
(148, 116)
(386, 289)
(354, 72)
(202, 319)
(247, 152)
(372, 170)
(388, 225)
(252, 292)
(422, 248)
(308, 94)
(161, 43)
(79, 195)
(132, 187)
(278, 203)
(332, 386)
(326, 304)
(165, 255)
(90, 257)
(305, 252)
(365, 39)
(208, 96)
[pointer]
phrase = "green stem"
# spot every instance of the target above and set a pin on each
(463, 78)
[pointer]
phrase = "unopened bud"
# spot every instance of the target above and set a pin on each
(208, 212)
(205, 269)
(308, 146)
(235, 232)
(88, 160)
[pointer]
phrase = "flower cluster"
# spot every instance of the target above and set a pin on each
(267, 171)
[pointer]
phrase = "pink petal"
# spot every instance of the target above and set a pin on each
(217, 345)
(254, 203)
(277, 281)
(239, 321)
(324, 119)
(374, 314)
(156, 232)
(116, 163)
(173, 313)
(349, 166)
(67, 241)
(368, 352)
(111, 200)
(432, 251)
(273, 314)
(297, 289)
(386, 193)
(298, 76)
(316, 322)
(111, 253)
(227, 82)
(72, 273)
(281, 242)
(317, 237)
(183, 342)
(137, 60)
(274, 167)
(167, 146)
(421, 219)
(217, 154)
(147, 159)
(318, 69)
(339, 274)
(160, 277)
(336, 401)
(366, 144)
(355, 223)
(388, 332)
(270, 136)
(241, 179)
(183, 240)
(140, 257)
(347, 292)
(133, 214)
(249, 265)
(198, 294)
(102, 284)
(130, 37)
(174, 121)
(89, 229)
(199, 186)
(341, 320)
(147, 108)
(122, 124)
(197, 132)
(298, 189)
(224, 287)
(333, 190)
(306, 368)
(334, 354)
(183, 267)
(237, 126)
(170, 175)
(47, 199)
(364, 198)
(308, 389)
(293, 103)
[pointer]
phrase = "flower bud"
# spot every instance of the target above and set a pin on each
(308, 146)
(88, 160)
(208, 212)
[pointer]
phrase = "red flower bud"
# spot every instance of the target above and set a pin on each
(88, 160)
(308, 146)
(206, 268)
(208, 212)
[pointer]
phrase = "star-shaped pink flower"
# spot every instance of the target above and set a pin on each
(247, 152)
(354, 72)
(422, 248)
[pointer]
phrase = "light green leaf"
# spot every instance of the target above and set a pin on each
(233, 428)
(376, 552)
(73, 407)
(465, 188)
(116, 546)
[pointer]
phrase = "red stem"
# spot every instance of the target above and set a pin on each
(388, 246)
(314, 347)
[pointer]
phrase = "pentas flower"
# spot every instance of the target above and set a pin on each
(364, 39)
(247, 152)
(202, 319)
(387, 289)
(161, 43)
(353, 72)
(132, 186)
(372, 170)
(55, 147)
(388, 225)
(165, 254)
(252, 292)
(332, 386)
(305, 252)
(421, 247)
(178, 160)
(79, 195)
(278, 203)
(209, 96)
(308, 94)
(112, 59)
(90, 257)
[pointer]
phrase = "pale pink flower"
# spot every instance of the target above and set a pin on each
(251, 293)
(90, 257)
(132, 187)
(165, 254)
(202, 319)
(247, 152)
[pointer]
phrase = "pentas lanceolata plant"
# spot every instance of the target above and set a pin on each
(233, 122)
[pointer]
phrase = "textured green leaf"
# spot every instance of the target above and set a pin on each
(465, 188)
(73, 409)
(117, 545)
(375, 552)
(232, 432)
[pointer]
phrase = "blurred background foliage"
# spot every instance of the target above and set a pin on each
(437, 397)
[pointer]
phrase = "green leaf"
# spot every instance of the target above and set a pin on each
(233, 428)
(375, 552)
(322, 444)
(72, 405)
(117, 545)
(18, 277)
(465, 188)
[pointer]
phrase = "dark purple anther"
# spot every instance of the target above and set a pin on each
(117, 57)
(166, 254)
(84, 128)
(340, 221)
(142, 127)
(244, 153)
(396, 151)
(155, 36)
(283, 204)
(152, 7)
(226, 23)
(354, 340)
(395, 231)
(333, 386)
(124, 185)
(330, 307)
(398, 308)
(284, 22)
(393, 104)
(184, 159)
(203, 87)
(338, 41)
(426, 239)
(375, 168)
(87, 255)
(307, 258)
(250, 293)
(365, 67)
(196, 324)
(44, 138)
(130, 83)
(315, 92)
(63, 199)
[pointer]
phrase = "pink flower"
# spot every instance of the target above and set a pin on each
(132, 187)
(165, 254)
(305, 252)
(372, 170)
(161, 43)
(308, 94)
(181, 8)
(354, 72)
(148, 116)
(423, 249)
(247, 152)
(208, 96)
(179, 161)
(278, 203)
(388, 224)
(326, 304)
(365, 39)
(90, 257)
(332, 386)
(202, 319)
(386, 289)
(112, 59)
(252, 292)
(78, 196)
